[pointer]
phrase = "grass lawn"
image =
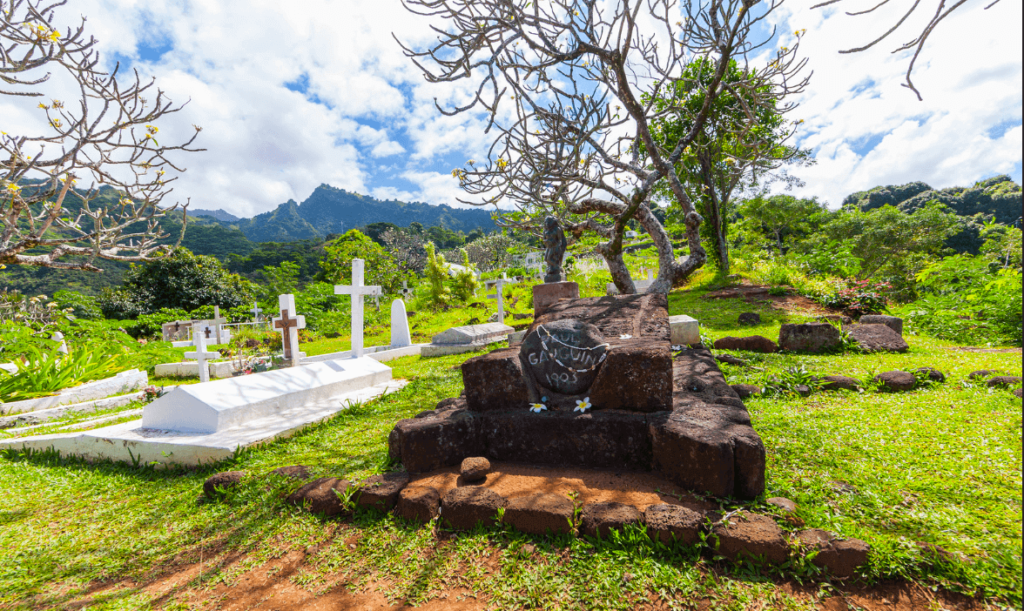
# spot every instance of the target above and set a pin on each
(939, 465)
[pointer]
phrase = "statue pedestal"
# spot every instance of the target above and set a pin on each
(545, 295)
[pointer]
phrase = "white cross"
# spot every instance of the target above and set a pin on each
(499, 285)
(289, 327)
(200, 355)
(357, 291)
(256, 310)
(407, 292)
(217, 322)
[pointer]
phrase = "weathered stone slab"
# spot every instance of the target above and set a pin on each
(495, 381)
(599, 519)
(636, 376)
(893, 322)
(749, 535)
(751, 343)
(668, 523)
(546, 294)
(877, 338)
(812, 337)
(639, 316)
(473, 334)
(463, 508)
(439, 439)
(685, 330)
(539, 514)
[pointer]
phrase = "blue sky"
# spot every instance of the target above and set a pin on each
(291, 98)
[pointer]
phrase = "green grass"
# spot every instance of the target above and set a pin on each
(938, 465)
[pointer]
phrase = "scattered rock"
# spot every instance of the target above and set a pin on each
(294, 472)
(419, 503)
(751, 535)
(788, 509)
(843, 487)
(933, 374)
(812, 337)
(462, 508)
(598, 519)
(521, 316)
(981, 373)
(1017, 392)
(839, 383)
(538, 514)
(225, 480)
(803, 390)
(473, 321)
(839, 556)
(752, 343)
(877, 338)
(750, 318)
(475, 469)
(666, 523)
(1003, 381)
(730, 359)
(896, 381)
(745, 390)
(893, 322)
(321, 495)
(381, 491)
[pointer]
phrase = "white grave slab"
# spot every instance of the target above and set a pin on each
(216, 406)
(685, 330)
(400, 334)
(123, 382)
(357, 290)
(466, 339)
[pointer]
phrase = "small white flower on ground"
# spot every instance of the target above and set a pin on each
(538, 408)
(582, 406)
(677, 347)
(625, 336)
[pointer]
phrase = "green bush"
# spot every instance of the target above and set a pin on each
(437, 275)
(82, 306)
(465, 284)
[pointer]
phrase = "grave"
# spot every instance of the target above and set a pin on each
(358, 290)
(595, 384)
(289, 327)
(200, 355)
(401, 341)
(176, 331)
(206, 422)
(466, 339)
(125, 381)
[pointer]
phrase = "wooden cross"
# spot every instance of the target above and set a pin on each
(217, 322)
(289, 328)
(206, 332)
(357, 291)
(200, 354)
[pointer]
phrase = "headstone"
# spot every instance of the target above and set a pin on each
(564, 356)
(289, 324)
(175, 331)
(400, 335)
(59, 337)
(499, 295)
(357, 290)
(200, 354)
(632, 235)
(256, 311)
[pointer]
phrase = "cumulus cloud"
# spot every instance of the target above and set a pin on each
(291, 98)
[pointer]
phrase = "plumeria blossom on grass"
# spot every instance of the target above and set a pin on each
(625, 336)
(583, 406)
(538, 408)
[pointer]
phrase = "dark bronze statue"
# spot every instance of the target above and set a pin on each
(554, 250)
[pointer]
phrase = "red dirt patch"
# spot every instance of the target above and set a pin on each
(759, 294)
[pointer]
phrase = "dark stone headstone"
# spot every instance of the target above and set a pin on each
(752, 343)
(809, 337)
(877, 338)
(564, 356)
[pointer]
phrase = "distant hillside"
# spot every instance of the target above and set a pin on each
(329, 210)
(998, 196)
(220, 215)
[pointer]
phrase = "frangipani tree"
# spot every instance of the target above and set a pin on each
(107, 136)
(561, 82)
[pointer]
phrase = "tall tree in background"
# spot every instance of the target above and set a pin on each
(108, 136)
(741, 143)
(561, 81)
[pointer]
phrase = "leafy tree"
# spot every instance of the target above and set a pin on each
(180, 281)
(380, 267)
(82, 306)
(280, 280)
(492, 252)
(376, 230)
(408, 250)
(437, 272)
(465, 283)
(739, 144)
(781, 217)
(445, 238)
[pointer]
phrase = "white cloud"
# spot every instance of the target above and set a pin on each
(969, 75)
(366, 120)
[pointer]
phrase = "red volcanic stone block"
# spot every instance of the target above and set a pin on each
(752, 343)
(668, 523)
(464, 507)
(224, 480)
(749, 535)
(636, 376)
(539, 514)
(841, 557)
(381, 491)
(420, 503)
(321, 495)
(495, 381)
(438, 439)
(599, 519)
(877, 338)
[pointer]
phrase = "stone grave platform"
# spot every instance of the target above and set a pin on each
(641, 408)
(466, 339)
(126, 381)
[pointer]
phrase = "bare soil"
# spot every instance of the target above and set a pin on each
(753, 293)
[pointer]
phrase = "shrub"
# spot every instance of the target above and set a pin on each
(859, 297)
(465, 284)
(82, 306)
(437, 272)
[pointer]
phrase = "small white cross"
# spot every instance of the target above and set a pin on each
(407, 292)
(256, 310)
(357, 290)
(200, 354)
(217, 322)
(500, 285)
